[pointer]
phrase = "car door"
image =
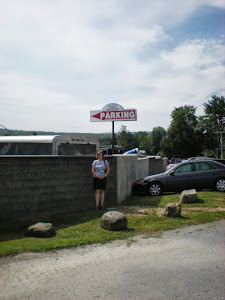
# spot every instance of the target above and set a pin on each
(204, 175)
(179, 177)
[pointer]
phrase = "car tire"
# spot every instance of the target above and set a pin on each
(155, 189)
(220, 185)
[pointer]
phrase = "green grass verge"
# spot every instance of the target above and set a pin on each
(205, 199)
(83, 228)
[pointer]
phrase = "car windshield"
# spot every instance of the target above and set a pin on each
(169, 170)
(185, 166)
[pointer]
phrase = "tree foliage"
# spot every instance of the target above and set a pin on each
(150, 142)
(126, 139)
(215, 123)
(183, 138)
(215, 110)
(156, 136)
(210, 138)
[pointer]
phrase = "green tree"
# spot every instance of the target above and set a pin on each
(141, 139)
(182, 139)
(157, 135)
(209, 139)
(106, 140)
(126, 139)
(215, 110)
(215, 115)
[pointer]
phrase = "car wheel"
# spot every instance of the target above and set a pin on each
(155, 189)
(220, 185)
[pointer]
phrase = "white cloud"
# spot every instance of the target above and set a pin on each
(187, 75)
(59, 60)
(194, 70)
(195, 54)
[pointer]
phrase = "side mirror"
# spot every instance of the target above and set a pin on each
(172, 173)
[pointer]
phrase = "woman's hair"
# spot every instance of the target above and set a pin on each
(97, 154)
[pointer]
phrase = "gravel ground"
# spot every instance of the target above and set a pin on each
(186, 263)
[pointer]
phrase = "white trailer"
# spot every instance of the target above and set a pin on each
(67, 144)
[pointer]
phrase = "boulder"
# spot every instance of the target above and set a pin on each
(41, 230)
(114, 221)
(172, 210)
(188, 196)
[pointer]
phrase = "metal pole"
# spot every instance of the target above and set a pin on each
(113, 137)
(221, 143)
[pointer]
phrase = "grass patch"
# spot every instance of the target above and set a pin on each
(83, 228)
(205, 199)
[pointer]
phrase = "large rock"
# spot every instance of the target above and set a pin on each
(172, 210)
(41, 230)
(114, 221)
(188, 196)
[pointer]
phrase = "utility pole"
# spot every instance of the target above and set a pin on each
(221, 130)
(221, 143)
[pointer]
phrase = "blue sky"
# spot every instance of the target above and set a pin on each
(61, 59)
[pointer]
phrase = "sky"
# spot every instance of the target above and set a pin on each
(59, 60)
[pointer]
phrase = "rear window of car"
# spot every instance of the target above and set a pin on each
(175, 160)
(203, 166)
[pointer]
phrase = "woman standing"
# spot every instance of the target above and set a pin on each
(100, 170)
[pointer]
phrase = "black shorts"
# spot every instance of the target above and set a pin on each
(99, 184)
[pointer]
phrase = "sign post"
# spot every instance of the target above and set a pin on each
(113, 142)
(113, 112)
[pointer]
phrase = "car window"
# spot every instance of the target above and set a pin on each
(183, 169)
(175, 160)
(203, 166)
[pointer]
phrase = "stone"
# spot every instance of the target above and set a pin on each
(114, 221)
(172, 210)
(41, 230)
(188, 196)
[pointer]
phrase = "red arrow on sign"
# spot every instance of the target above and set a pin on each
(97, 116)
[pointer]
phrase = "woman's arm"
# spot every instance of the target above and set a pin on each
(108, 170)
(93, 171)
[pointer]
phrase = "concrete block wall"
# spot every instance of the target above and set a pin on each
(129, 169)
(157, 165)
(41, 185)
(33, 186)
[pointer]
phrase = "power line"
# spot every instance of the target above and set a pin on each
(7, 129)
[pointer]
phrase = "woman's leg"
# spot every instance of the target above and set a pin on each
(102, 197)
(97, 197)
